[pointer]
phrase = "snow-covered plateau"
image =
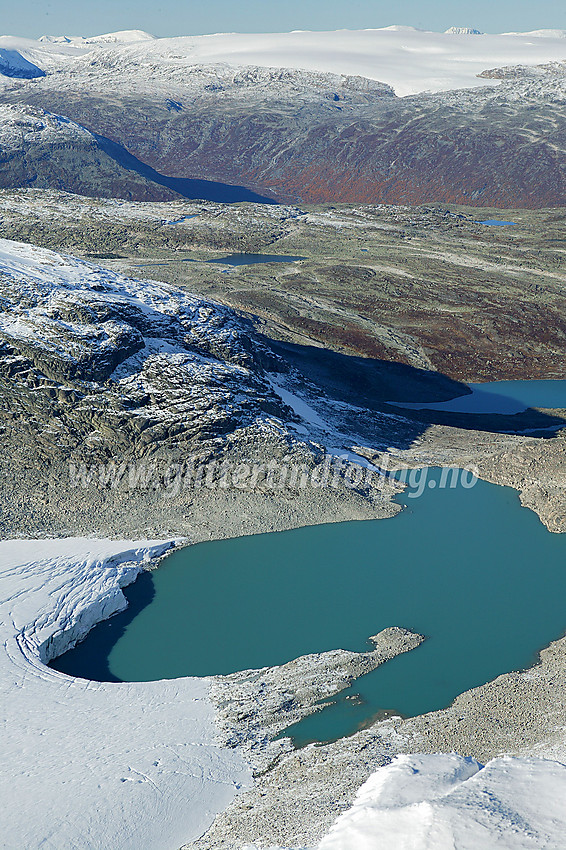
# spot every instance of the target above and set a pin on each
(406, 58)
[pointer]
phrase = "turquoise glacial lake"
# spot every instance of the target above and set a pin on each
(494, 222)
(505, 397)
(469, 568)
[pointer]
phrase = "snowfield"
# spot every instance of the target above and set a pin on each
(447, 802)
(86, 764)
(406, 58)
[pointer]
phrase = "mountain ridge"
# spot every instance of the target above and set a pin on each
(306, 135)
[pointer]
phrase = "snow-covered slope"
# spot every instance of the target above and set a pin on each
(540, 34)
(410, 60)
(122, 37)
(443, 802)
(95, 366)
(49, 56)
(79, 322)
(24, 125)
(86, 765)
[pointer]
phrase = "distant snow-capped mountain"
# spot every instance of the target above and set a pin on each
(391, 115)
(122, 37)
(462, 31)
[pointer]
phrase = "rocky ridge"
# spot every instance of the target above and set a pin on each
(146, 355)
(110, 386)
(40, 149)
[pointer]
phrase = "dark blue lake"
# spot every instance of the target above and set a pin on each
(251, 259)
(230, 259)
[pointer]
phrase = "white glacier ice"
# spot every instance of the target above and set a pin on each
(88, 764)
(406, 58)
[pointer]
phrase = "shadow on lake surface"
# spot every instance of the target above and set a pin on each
(383, 386)
(90, 658)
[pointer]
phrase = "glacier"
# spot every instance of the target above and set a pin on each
(88, 764)
(410, 60)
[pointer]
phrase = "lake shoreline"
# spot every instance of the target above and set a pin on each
(333, 773)
(523, 717)
(188, 623)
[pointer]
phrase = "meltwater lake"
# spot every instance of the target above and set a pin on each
(467, 567)
(503, 397)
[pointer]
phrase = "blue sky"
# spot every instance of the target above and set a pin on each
(189, 17)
